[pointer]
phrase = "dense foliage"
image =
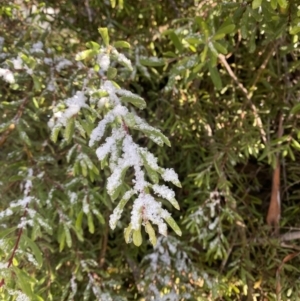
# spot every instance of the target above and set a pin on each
(90, 91)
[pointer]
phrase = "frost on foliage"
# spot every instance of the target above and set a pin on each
(74, 104)
(18, 63)
(37, 47)
(115, 147)
(103, 61)
(122, 59)
(63, 63)
(147, 207)
(168, 261)
(7, 75)
(19, 295)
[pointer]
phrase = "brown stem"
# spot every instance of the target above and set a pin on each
(12, 256)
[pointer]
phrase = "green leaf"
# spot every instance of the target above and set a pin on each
(111, 73)
(116, 193)
(104, 34)
(176, 41)
(214, 74)
(6, 125)
(294, 30)
(256, 4)
(123, 202)
(69, 131)
(61, 238)
(220, 47)
(137, 237)
(129, 120)
(290, 152)
(295, 144)
(282, 3)
(95, 170)
(68, 236)
(149, 229)
(113, 3)
(174, 203)
(171, 222)
(295, 109)
(78, 223)
(128, 234)
(153, 175)
(223, 30)
(91, 223)
(76, 168)
(157, 137)
(121, 44)
(86, 54)
(136, 100)
(87, 125)
(54, 133)
(93, 45)
(121, 4)
(80, 128)
(23, 282)
(24, 137)
(100, 94)
(5, 232)
(34, 248)
(99, 216)
(152, 61)
(274, 4)
(84, 167)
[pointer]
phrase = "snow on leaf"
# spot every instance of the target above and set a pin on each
(103, 60)
(169, 175)
(63, 63)
(7, 75)
(128, 96)
(116, 215)
(166, 193)
(150, 158)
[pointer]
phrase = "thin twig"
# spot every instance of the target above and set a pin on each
(12, 256)
(14, 121)
(248, 96)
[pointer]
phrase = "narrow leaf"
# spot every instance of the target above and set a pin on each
(256, 4)
(215, 76)
(69, 131)
(104, 34)
(137, 101)
(282, 3)
(176, 41)
(34, 248)
(86, 54)
(121, 44)
(137, 237)
(90, 223)
(78, 223)
(223, 30)
(171, 222)
(149, 229)
(111, 73)
(68, 236)
(92, 45)
(152, 61)
(128, 234)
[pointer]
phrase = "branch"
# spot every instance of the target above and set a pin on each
(247, 94)
(14, 121)
(12, 256)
